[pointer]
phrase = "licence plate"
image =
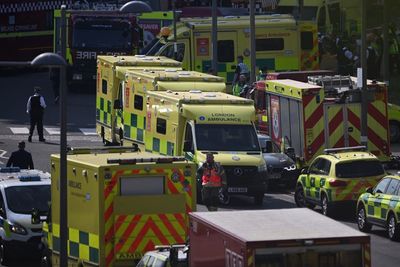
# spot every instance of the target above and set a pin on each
(237, 189)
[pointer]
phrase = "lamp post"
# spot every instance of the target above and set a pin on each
(55, 60)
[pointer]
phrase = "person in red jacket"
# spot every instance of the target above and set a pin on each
(213, 179)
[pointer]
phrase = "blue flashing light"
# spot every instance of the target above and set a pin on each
(9, 169)
(29, 178)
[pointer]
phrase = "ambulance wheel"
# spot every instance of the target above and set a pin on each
(363, 224)
(327, 208)
(259, 199)
(394, 128)
(3, 253)
(393, 228)
(299, 197)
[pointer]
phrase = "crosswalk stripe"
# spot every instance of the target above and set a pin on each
(88, 131)
(52, 131)
(19, 130)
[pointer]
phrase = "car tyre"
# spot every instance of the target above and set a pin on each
(259, 199)
(327, 208)
(299, 197)
(4, 257)
(393, 228)
(362, 223)
(223, 196)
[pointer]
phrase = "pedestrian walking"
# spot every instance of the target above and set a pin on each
(55, 83)
(241, 69)
(35, 108)
(213, 179)
(21, 158)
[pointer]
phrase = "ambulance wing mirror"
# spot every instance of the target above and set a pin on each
(291, 153)
(187, 146)
(370, 190)
(304, 171)
(268, 146)
(35, 216)
(117, 104)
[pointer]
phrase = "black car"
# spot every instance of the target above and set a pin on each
(281, 168)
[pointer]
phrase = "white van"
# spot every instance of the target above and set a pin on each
(22, 193)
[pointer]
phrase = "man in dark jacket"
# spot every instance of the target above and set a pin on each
(21, 158)
(35, 108)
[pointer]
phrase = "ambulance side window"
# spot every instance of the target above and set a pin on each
(307, 40)
(189, 137)
(138, 102)
(226, 51)
(270, 44)
(320, 166)
(161, 126)
(104, 86)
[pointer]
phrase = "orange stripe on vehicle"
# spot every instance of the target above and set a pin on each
(171, 228)
(149, 225)
(336, 121)
(125, 236)
(377, 115)
(353, 118)
(172, 188)
(108, 212)
(340, 143)
(112, 183)
(353, 142)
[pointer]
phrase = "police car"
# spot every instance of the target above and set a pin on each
(22, 193)
(380, 206)
(337, 177)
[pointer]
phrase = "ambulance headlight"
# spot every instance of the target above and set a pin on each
(262, 167)
(290, 168)
(18, 229)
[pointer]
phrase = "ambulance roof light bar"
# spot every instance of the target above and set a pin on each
(143, 160)
(344, 149)
(99, 150)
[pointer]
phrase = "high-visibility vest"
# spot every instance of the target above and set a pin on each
(211, 178)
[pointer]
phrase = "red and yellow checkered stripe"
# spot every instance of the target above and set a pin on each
(313, 125)
(139, 233)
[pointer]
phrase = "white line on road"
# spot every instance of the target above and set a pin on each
(53, 131)
(19, 130)
(2, 153)
(88, 131)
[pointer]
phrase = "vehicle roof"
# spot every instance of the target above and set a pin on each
(13, 178)
(276, 224)
(174, 75)
(349, 156)
(199, 96)
(294, 84)
(100, 159)
(241, 23)
(140, 60)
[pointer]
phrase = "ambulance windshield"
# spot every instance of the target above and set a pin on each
(101, 34)
(225, 137)
(22, 199)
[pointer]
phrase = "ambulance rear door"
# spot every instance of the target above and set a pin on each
(227, 53)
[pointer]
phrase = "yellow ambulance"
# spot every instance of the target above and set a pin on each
(131, 102)
(110, 77)
(193, 123)
(121, 203)
(277, 44)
